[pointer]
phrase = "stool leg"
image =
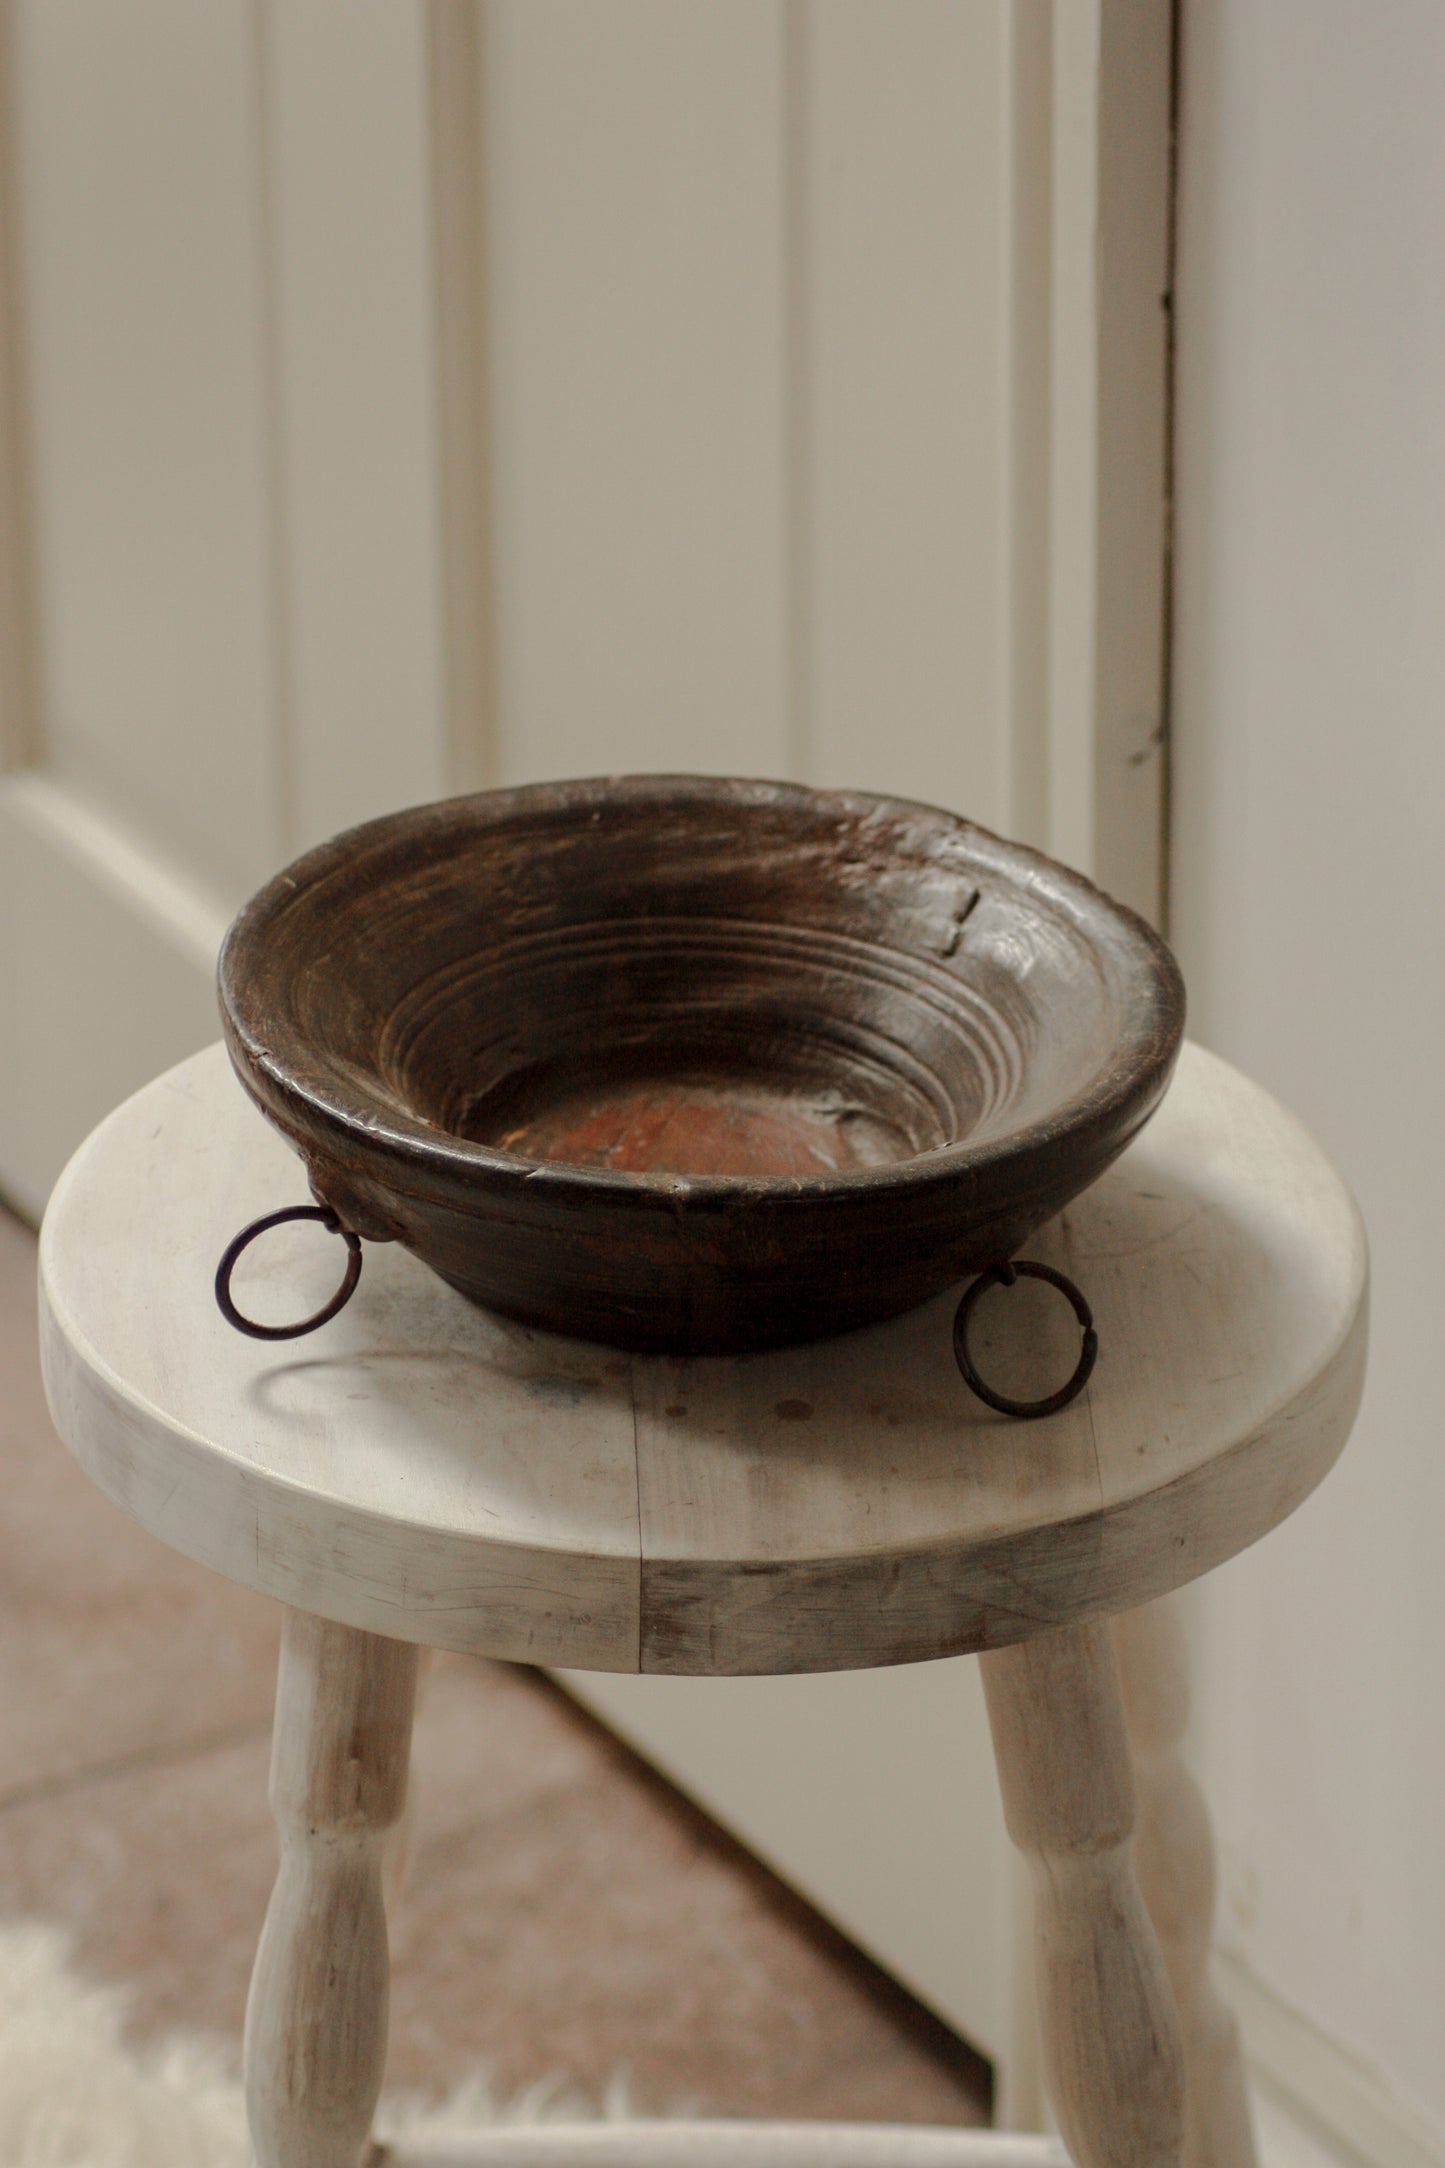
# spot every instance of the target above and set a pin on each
(1110, 2048)
(1174, 1857)
(316, 2018)
(396, 1858)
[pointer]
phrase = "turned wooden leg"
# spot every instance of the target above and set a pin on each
(1174, 1859)
(396, 1862)
(1110, 2049)
(316, 2018)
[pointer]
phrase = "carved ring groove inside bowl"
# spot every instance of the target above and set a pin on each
(714, 1047)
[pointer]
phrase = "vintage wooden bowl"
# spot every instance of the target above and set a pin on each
(696, 1065)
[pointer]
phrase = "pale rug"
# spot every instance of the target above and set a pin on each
(74, 2094)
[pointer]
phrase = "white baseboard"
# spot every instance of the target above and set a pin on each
(135, 874)
(1317, 2103)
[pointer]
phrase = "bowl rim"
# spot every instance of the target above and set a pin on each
(285, 1074)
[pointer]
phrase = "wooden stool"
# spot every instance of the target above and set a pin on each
(424, 1473)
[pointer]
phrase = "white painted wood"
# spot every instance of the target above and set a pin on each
(132, 523)
(1307, 696)
(927, 540)
(915, 1870)
(1133, 267)
(736, 516)
(897, 1520)
(1174, 1860)
(345, 166)
(933, 451)
(1072, 407)
(1108, 332)
(636, 269)
(463, 388)
(426, 1472)
(396, 1865)
(1110, 2045)
(725, 2145)
(1285, 2141)
(18, 701)
(105, 970)
(316, 2017)
(142, 259)
(231, 417)
(905, 255)
(218, 476)
(434, 1474)
(1318, 2103)
(431, 1471)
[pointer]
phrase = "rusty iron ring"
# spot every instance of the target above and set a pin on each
(1004, 1275)
(248, 1235)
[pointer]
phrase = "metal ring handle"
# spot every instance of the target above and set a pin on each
(1004, 1276)
(248, 1235)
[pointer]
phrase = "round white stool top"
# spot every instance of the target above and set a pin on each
(429, 1471)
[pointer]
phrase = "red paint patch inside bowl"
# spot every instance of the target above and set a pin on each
(670, 1125)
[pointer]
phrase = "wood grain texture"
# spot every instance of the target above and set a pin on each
(396, 1861)
(1110, 2047)
(1174, 1860)
(725, 2145)
(317, 2015)
(695, 1065)
(849, 1503)
(425, 1470)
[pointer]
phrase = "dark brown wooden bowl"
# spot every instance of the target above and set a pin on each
(696, 1065)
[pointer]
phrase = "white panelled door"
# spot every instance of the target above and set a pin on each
(402, 396)
(222, 612)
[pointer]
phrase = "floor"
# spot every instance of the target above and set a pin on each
(567, 1913)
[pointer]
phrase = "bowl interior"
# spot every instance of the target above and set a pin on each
(668, 977)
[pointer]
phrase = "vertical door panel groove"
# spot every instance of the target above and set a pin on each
(456, 58)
